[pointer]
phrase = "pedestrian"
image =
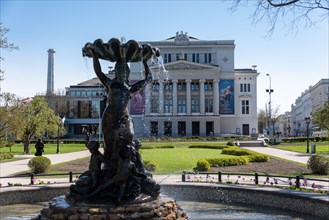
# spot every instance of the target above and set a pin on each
(39, 147)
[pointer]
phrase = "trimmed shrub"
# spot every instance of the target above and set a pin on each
(207, 146)
(39, 164)
(236, 151)
(203, 165)
(151, 165)
(6, 155)
(257, 157)
(319, 164)
(230, 143)
(227, 161)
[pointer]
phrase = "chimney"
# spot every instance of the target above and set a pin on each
(50, 75)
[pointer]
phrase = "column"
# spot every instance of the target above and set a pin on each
(174, 96)
(148, 102)
(161, 97)
(188, 96)
(216, 96)
(202, 102)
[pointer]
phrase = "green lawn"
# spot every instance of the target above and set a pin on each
(322, 148)
(49, 148)
(175, 160)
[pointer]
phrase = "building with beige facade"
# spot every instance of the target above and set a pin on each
(196, 91)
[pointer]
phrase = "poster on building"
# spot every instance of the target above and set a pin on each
(226, 97)
(137, 101)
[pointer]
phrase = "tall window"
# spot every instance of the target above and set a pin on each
(245, 107)
(195, 107)
(181, 86)
(168, 105)
(167, 58)
(208, 105)
(245, 87)
(154, 104)
(207, 58)
(208, 86)
(181, 104)
(155, 86)
(196, 57)
(95, 109)
(195, 86)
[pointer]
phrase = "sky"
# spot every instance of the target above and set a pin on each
(294, 60)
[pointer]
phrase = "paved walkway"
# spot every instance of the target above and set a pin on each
(288, 155)
(10, 168)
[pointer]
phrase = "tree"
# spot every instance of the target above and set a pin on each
(265, 119)
(290, 11)
(262, 120)
(38, 119)
(321, 117)
(10, 119)
(5, 45)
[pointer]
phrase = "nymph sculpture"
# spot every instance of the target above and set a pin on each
(122, 178)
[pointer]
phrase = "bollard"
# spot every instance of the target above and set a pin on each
(219, 176)
(297, 182)
(256, 178)
(183, 176)
(32, 178)
(71, 177)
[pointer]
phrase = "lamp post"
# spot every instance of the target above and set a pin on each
(270, 90)
(308, 121)
(61, 120)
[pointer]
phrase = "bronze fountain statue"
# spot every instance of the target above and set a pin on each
(123, 177)
(117, 185)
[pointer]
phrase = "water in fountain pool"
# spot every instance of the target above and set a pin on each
(196, 211)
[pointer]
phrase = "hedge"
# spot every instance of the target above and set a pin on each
(252, 156)
(207, 146)
(227, 161)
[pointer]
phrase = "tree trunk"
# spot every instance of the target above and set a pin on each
(26, 145)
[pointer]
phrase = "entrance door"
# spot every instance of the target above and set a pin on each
(245, 129)
(168, 128)
(154, 128)
(209, 128)
(181, 128)
(195, 128)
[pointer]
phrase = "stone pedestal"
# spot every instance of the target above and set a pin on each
(161, 208)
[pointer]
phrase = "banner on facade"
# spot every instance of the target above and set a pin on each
(226, 97)
(137, 101)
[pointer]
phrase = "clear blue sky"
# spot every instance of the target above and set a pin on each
(294, 60)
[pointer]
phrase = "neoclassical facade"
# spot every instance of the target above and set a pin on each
(196, 91)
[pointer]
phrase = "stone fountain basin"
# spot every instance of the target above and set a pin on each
(304, 203)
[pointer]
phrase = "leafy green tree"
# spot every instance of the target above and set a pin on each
(38, 119)
(321, 117)
(10, 119)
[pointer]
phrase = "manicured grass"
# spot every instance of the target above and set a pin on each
(176, 160)
(320, 148)
(49, 148)
(182, 144)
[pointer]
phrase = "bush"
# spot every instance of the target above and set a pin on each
(227, 161)
(6, 156)
(207, 146)
(257, 157)
(230, 143)
(203, 165)
(39, 164)
(318, 164)
(150, 165)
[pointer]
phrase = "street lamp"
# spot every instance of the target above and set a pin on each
(308, 121)
(60, 122)
(270, 90)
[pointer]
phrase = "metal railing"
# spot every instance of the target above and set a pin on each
(285, 180)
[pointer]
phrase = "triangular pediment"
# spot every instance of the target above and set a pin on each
(186, 65)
